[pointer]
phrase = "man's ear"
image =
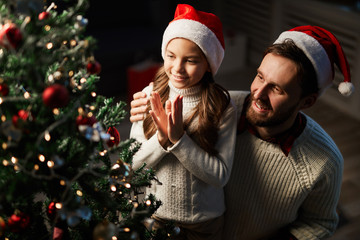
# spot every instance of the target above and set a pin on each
(308, 101)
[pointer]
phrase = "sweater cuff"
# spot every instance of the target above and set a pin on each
(173, 147)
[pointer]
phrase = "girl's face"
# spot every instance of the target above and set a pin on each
(184, 63)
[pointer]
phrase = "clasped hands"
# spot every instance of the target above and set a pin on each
(168, 121)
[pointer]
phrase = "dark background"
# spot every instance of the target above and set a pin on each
(129, 34)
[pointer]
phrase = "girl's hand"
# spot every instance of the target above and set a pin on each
(159, 116)
(175, 120)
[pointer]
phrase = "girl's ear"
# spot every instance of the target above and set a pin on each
(308, 101)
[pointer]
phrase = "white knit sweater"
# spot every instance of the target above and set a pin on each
(268, 191)
(192, 180)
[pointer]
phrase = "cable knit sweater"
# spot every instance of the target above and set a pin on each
(268, 191)
(192, 180)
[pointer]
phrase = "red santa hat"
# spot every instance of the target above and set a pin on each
(323, 50)
(202, 28)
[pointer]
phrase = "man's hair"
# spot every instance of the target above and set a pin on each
(305, 70)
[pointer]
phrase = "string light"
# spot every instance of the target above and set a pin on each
(58, 205)
(41, 158)
(49, 45)
(47, 136)
(71, 73)
(93, 94)
(51, 78)
(50, 164)
(79, 193)
(113, 238)
(126, 229)
(47, 28)
(1, 100)
(56, 111)
(83, 80)
(36, 167)
(127, 185)
(3, 118)
(148, 202)
(14, 160)
(57, 75)
(62, 182)
(5, 162)
(113, 188)
(26, 95)
(73, 43)
(4, 146)
(92, 108)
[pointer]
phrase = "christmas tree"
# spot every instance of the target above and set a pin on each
(58, 175)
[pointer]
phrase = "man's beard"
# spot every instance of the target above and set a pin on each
(277, 118)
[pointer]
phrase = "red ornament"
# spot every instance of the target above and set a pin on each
(51, 211)
(55, 96)
(10, 35)
(44, 15)
(21, 118)
(114, 137)
(4, 89)
(93, 67)
(18, 222)
(83, 120)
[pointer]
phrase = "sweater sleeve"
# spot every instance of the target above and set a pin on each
(318, 218)
(213, 170)
(150, 152)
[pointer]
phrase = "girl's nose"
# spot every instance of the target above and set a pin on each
(178, 66)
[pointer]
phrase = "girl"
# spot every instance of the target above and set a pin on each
(189, 135)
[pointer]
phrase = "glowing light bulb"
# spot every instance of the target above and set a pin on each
(41, 158)
(58, 205)
(50, 164)
(47, 136)
(49, 45)
(14, 160)
(56, 111)
(26, 95)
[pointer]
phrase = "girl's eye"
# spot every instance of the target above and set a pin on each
(260, 77)
(170, 56)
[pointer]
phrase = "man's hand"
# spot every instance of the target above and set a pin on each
(138, 107)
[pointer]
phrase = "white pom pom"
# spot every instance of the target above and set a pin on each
(346, 88)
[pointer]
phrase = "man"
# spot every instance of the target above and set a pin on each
(286, 177)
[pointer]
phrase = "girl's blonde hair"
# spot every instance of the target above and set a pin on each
(214, 101)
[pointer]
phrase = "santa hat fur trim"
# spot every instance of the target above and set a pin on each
(204, 29)
(323, 50)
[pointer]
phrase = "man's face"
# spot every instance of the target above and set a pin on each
(275, 93)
